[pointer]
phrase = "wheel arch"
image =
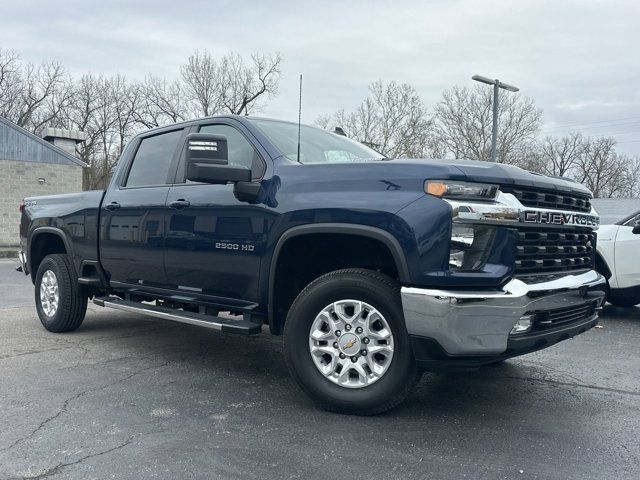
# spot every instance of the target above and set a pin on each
(382, 237)
(38, 247)
(602, 266)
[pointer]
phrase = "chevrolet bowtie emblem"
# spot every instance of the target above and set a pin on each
(349, 344)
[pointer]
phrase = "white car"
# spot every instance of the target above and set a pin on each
(618, 259)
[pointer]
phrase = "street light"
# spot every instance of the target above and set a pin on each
(496, 85)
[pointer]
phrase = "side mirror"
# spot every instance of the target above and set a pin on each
(636, 228)
(208, 161)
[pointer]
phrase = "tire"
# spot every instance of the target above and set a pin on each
(497, 362)
(379, 294)
(622, 302)
(613, 299)
(72, 303)
(619, 302)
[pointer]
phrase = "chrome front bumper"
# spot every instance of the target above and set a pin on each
(479, 322)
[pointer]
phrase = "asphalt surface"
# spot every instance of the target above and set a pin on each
(132, 397)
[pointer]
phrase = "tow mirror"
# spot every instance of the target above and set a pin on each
(208, 162)
(636, 228)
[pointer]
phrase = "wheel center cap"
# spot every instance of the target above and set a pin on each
(349, 344)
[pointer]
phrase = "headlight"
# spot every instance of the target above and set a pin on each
(470, 246)
(461, 190)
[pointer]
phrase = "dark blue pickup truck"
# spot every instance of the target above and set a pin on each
(373, 269)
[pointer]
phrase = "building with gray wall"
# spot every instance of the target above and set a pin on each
(30, 166)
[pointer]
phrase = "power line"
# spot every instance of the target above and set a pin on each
(608, 133)
(558, 127)
(597, 126)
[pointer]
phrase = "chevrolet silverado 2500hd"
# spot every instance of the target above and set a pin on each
(373, 270)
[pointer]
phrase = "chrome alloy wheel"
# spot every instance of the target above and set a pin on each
(351, 343)
(49, 295)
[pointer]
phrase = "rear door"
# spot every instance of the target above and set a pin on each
(132, 225)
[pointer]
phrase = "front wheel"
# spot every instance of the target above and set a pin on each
(622, 302)
(60, 303)
(346, 343)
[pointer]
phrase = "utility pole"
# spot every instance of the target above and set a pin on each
(497, 85)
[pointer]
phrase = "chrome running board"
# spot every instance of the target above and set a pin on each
(221, 324)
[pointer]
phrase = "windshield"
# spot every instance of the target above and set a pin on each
(316, 145)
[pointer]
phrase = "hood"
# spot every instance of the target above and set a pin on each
(508, 175)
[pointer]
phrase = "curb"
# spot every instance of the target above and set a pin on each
(10, 253)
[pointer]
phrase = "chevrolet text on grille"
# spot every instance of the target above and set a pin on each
(559, 218)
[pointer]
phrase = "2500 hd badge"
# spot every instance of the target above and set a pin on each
(559, 218)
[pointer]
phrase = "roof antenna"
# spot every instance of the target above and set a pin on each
(299, 117)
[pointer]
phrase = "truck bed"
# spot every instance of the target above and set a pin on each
(75, 215)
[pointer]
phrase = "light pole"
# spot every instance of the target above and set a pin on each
(497, 84)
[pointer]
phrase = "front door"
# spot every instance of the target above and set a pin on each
(627, 245)
(132, 220)
(214, 242)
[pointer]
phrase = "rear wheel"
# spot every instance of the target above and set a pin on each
(346, 343)
(60, 303)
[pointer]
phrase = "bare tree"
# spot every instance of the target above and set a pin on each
(633, 177)
(32, 96)
(111, 110)
(84, 115)
(392, 120)
(126, 100)
(228, 85)
(104, 109)
(560, 156)
(243, 85)
(605, 172)
(463, 122)
(202, 83)
(10, 83)
(159, 102)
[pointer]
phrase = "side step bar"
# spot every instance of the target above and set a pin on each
(221, 324)
(90, 281)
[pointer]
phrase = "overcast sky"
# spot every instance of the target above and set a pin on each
(579, 60)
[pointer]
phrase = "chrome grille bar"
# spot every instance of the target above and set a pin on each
(553, 251)
(548, 199)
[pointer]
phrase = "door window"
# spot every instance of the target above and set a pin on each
(153, 160)
(240, 150)
(632, 221)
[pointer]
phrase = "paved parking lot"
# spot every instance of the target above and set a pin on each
(132, 397)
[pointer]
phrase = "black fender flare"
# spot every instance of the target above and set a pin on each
(390, 241)
(602, 267)
(36, 232)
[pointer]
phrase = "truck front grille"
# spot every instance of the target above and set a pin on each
(554, 250)
(573, 202)
(566, 315)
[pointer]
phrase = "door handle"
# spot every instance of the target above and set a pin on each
(112, 206)
(179, 204)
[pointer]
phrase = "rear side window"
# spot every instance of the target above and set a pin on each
(153, 160)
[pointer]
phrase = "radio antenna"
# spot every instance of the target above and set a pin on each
(299, 116)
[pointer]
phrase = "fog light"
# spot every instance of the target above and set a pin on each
(523, 325)
(470, 246)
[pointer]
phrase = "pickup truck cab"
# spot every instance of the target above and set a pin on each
(374, 270)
